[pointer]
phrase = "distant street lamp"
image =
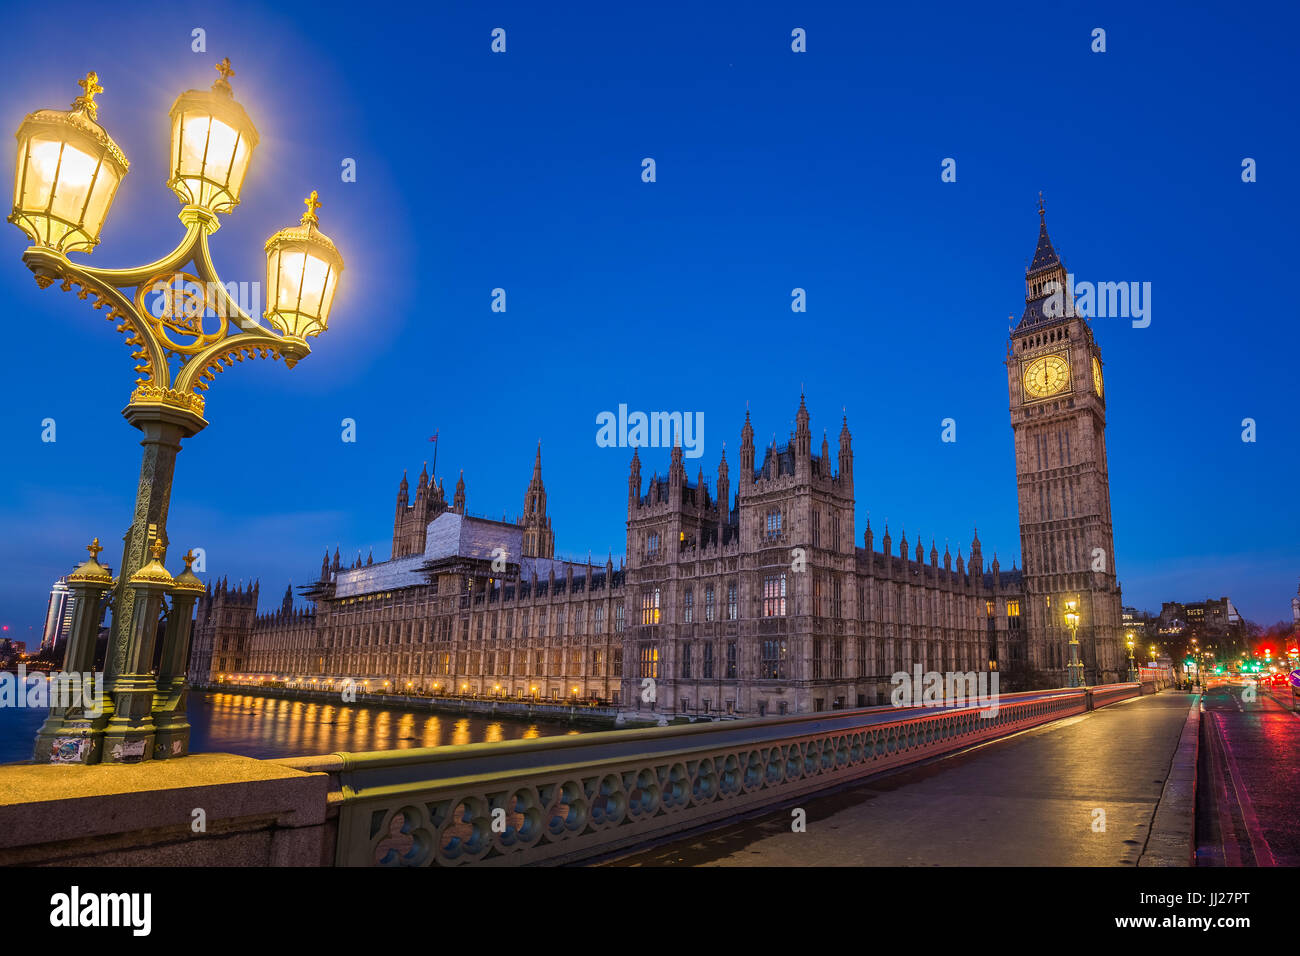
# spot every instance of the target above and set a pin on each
(1132, 667)
(183, 327)
(1076, 662)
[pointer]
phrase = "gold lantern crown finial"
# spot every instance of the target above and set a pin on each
(156, 549)
(86, 101)
(223, 81)
(313, 203)
(188, 558)
(91, 572)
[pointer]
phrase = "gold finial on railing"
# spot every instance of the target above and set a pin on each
(223, 81)
(94, 549)
(157, 549)
(313, 203)
(86, 101)
(188, 558)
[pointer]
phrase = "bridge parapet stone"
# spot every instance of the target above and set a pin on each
(253, 812)
(564, 799)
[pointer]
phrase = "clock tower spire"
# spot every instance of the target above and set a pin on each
(1058, 416)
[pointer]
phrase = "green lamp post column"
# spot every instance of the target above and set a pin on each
(74, 731)
(1075, 672)
(163, 427)
(129, 733)
(171, 726)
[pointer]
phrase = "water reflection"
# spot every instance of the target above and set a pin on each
(278, 727)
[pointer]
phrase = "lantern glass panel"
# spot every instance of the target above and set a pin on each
(211, 160)
(62, 191)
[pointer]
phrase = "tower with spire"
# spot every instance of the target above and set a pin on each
(539, 539)
(1058, 417)
(411, 520)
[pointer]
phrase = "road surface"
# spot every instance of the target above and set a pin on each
(1081, 791)
(1248, 788)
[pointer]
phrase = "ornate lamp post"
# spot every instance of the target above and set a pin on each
(181, 323)
(1076, 662)
(1132, 667)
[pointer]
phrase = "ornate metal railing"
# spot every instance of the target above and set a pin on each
(1109, 693)
(562, 799)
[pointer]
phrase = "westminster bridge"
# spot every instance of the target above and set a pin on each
(903, 785)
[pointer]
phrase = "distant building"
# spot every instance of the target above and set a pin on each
(58, 615)
(1211, 622)
(1139, 623)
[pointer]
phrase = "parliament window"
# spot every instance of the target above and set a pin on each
(774, 595)
(709, 613)
(731, 601)
(619, 619)
(772, 663)
(731, 659)
(773, 524)
(707, 665)
(649, 661)
(686, 661)
(652, 544)
(650, 607)
(688, 606)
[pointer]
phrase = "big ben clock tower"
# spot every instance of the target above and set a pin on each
(1058, 415)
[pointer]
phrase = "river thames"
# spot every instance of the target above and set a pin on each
(275, 727)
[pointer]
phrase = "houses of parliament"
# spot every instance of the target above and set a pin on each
(756, 596)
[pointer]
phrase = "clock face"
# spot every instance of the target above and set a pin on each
(1096, 374)
(1045, 376)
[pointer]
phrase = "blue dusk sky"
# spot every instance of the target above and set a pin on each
(775, 170)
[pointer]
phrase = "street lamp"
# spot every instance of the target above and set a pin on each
(1075, 675)
(1132, 667)
(68, 172)
(178, 317)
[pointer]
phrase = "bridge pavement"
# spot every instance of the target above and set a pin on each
(1030, 799)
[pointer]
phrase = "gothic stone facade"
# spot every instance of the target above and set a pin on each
(747, 601)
